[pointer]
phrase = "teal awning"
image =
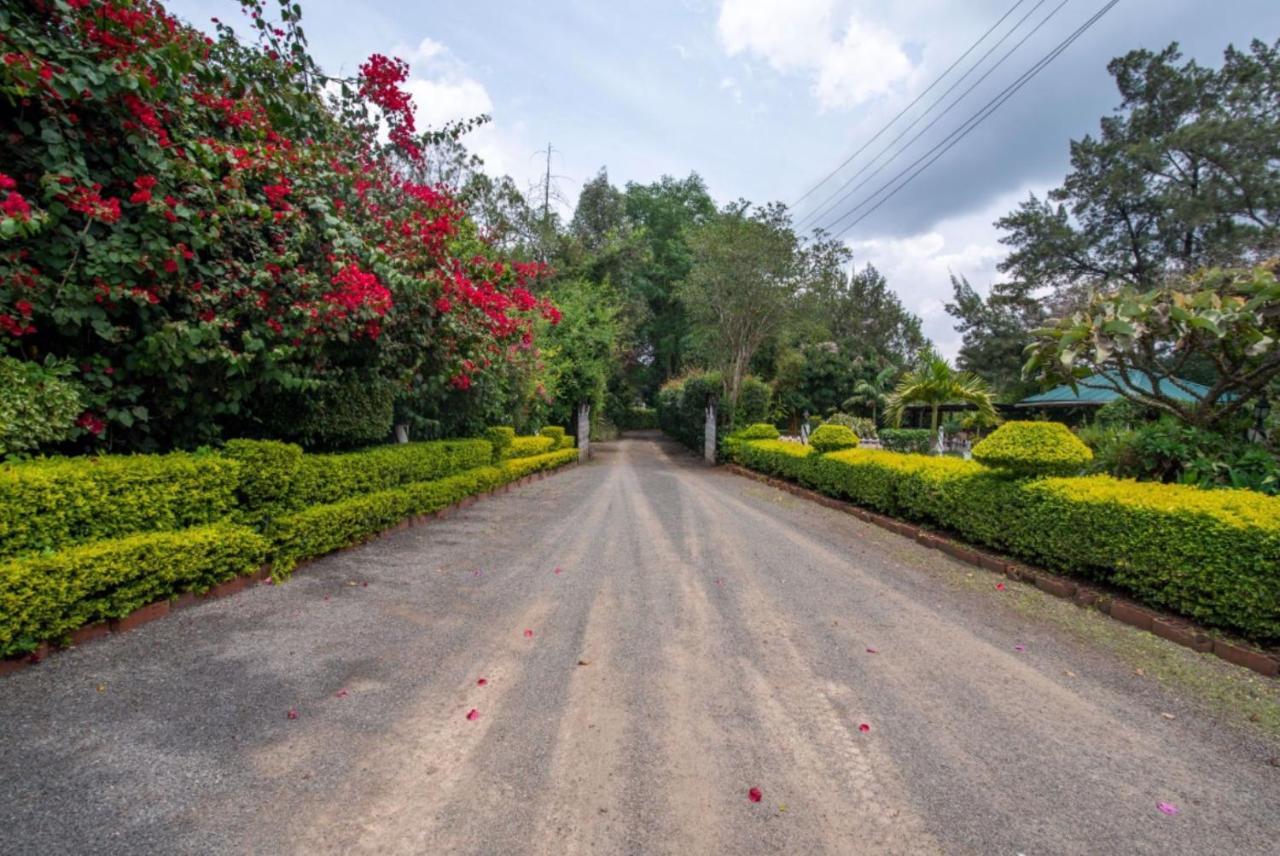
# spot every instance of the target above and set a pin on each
(1099, 389)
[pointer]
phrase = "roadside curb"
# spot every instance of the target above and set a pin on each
(1165, 625)
(235, 585)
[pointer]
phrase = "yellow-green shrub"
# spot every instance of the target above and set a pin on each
(55, 503)
(45, 597)
(499, 436)
(555, 432)
(1213, 555)
(517, 468)
(524, 447)
(832, 438)
(1034, 449)
(267, 472)
(322, 479)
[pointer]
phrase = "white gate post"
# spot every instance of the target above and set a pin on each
(709, 432)
(584, 432)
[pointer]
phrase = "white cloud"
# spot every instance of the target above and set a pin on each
(850, 63)
(728, 84)
(919, 267)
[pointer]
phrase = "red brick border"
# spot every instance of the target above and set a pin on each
(1171, 627)
(161, 608)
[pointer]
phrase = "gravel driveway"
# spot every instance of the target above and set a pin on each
(706, 635)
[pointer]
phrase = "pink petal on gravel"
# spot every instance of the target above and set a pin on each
(754, 795)
(482, 682)
(864, 728)
(1019, 647)
(558, 571)
(364, 585)
(293, 713)
(528, 634)
(1167, 808)
(873, 650)
(342, 693)
(473, 714)
(476, 573)
(999, 586)
(326, 597)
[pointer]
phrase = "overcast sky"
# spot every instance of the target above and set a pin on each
(765, 97)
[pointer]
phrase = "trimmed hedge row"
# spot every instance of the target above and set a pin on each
(45, 597)
(1211, 555)
(325, 528)
(50, 504)
(525, 447)
(52, 581)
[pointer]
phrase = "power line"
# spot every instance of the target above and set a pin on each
(825, 211)
(973, 121)
(914, 102)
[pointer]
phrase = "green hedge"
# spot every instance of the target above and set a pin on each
(1211, 555)
(51, 504)
(832, 438)
(328, 478)
(500, 437)
(45, 597)
(322, 529)
(524, 447)
(916, 440)
(164, 525)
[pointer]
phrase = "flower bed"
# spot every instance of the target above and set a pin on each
(1213, 556)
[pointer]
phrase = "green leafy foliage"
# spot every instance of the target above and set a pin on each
(1210, 555)
(1034, 449)
(44, 597)
(933, 383)
(832, 438)
(862, 426)
(913, 440)
(527, 447)
(347, 411)
(500, 437)
(38, 405)
(758, 431)
(682, 406)
(329, 477)
(57, 503)
(754, 400)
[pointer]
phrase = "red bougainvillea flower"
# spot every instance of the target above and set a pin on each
(999, 586)
(473, 714)
(754, 795)
(1167, 808)
(293, 713)
(864, 728)
(528, 634)
(482, 682)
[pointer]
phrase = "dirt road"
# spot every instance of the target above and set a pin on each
(705, 635)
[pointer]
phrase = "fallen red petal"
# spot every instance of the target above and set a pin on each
(999, 586)
(754, 795)
(365, 585)
(873, 650)
(342, 693)
(473, 714)
(864, 728)
(293, 713)
(558, 571)
(528, 634)
(482, 682)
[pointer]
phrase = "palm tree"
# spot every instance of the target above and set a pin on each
(935, 383)
(871, 393)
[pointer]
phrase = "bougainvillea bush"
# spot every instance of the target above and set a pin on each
(207, 228)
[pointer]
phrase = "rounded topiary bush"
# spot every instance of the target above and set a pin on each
(758, 431)
(832, 438)
(1034, 449)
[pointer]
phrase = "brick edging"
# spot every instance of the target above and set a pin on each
(235, 585)
(1167, 626)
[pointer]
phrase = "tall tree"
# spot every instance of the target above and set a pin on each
(665, 211)
(934, 383)
(745, 276)
(996, 331)
(1185, 175)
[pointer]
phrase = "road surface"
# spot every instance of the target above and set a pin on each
(706, 635)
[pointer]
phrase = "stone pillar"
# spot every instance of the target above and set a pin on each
(584, 432)
(709, 432)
